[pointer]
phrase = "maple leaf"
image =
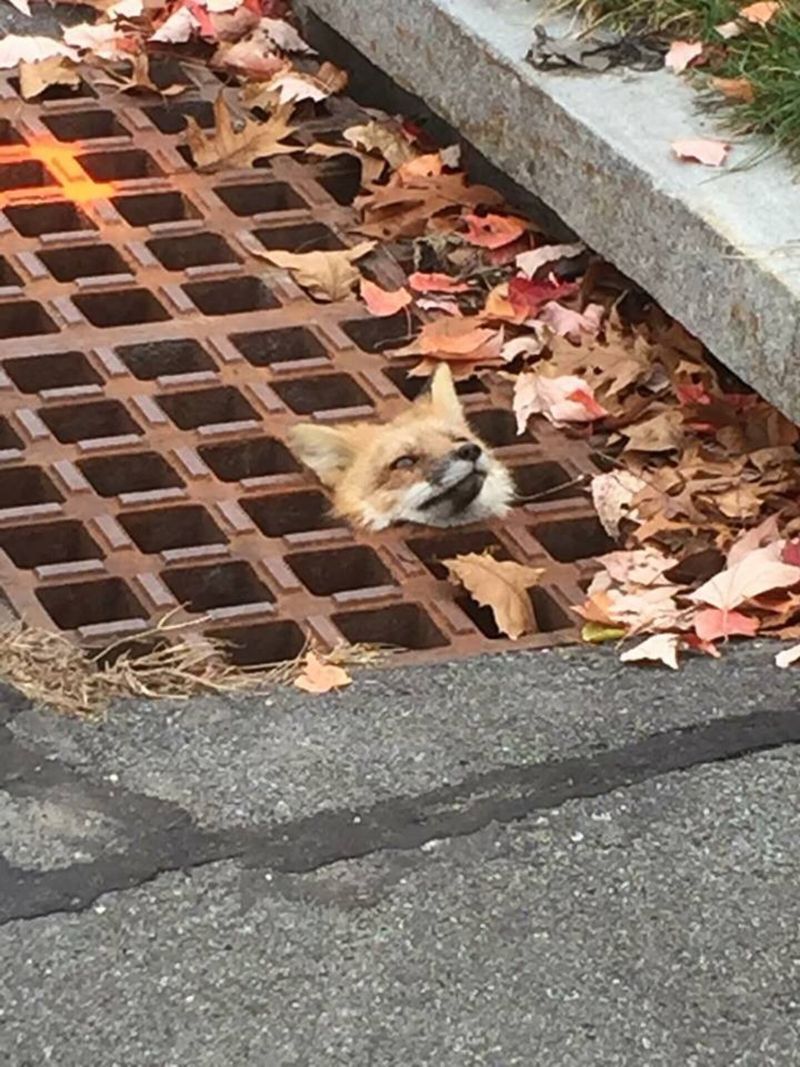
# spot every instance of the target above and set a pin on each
(383, 138)
(326, 275)
(734, 88)
(437, 283)
(565, 322)
(756, 573)
(681, 54)
(501, 585)
(492, 231)
(760, 13)
(787, 657)
(711, 624)
(383, 302)
(612, 496)
(660, 648)
(410, 209)
(701, 150)
(529, 296)
(561, 400)
(227, 147)
(530, 262)
(320, 677)
(34, 78)
(16, 49)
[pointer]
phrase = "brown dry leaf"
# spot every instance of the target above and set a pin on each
(326, 275)
(292, 86)
(383, 138)
(501, 585)
(226, 146)
(139, 79)
(419, 204)
(612, 496)
(321, 677)
(455, 337)
(661, 433)
(34, 78)
(660, 648)
(734, 88)
(760, 13)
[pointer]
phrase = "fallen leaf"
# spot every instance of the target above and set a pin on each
(681, 54)
(701, 150)
(597, 632)
(455, 337)
(102, 40)
(661, 433)
(291, 86)
(382, 138)
(177, 28)
(139, 79)
(760, 13)
(34, 78)
(749, 540)
(321, 677)
(729, 29)
(612, 496)
(711, 624)
(21, 5)
(229, 26)
(225, 146)
(530, 262)
(791, 553)
(426, 166)
(501, 585)
(492, 231)
(437, 283)
(660, 648)
(565, 322)
(734, 88)
(638, 566)
(383, 302)
(754, 574)
(371, 168)
(787, 657)
(284, 36)
(253, 56)
(16, 49)
(449, 307)
(326, 275)
(528, 297)
(529, 345)
(561, 400)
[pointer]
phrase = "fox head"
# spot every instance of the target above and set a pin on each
(425, 466)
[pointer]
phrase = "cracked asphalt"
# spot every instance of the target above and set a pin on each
(542, 859)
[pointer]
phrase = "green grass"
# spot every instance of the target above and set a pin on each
(769, 57)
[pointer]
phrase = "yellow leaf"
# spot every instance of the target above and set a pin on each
(597, 632)
(321, 677)
(501, 585)
(326, 275)
(34, 78)
(228, 147)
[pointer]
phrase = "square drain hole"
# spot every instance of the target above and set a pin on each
(549, 615)
(542, 477)
(90, 603)
(165, 528)
(9, 134)
(231, 296)
(573, 539)
(497, 428)
(62, 370)
(33, 220)
(206, 407)
(431, 550)
(289, 513)
(306, 237)
(84, 125)
(343, 180)
(8, 439)
(24, 318)
(22, 487)
(171, 117)
(153, 359)
(278, 346)
(403, 625)
(412, 386)
(223, 586)
(273, 642)
(147, 209)
(325, 573)
(67, 264)
(119, 166)
(197, 250)
(82, 422)
(8, 276)
(26, 175)
(381, 335)
(258, 199)
(120, 307)
(137, 472)
(307, 395)
(255, 458)
(52, 542)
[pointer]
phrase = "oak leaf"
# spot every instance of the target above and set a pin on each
(320, 677)
(501, 585)
(226, 146)
(660, 648)
(493, 231)
(34, 78)
(383, 302)
(326, 275)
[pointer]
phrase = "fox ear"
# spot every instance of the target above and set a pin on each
(444, 397)
(326, 450)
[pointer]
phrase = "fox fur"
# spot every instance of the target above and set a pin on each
(425, 466)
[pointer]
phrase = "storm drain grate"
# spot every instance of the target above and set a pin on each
(151, 369)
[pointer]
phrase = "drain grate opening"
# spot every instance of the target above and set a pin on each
(137, 472)
(8, 439)
(154, 359)
(305, 237)
(22, 487)
(343, 180)
(9, 134)
(573, 539)
(67, 264)
(231, 296)
(119, 166)
(326, 573)
(278, 346)
(256, 458)
(549, 616)
(148, 209)
(497, 428)
(26, 175)
(82, 422)
(381, 335)
(272, 642)
(84, 125)
(412, 386)
(24, 318)
(165, 71)
(185, 527)
(122, 307)
(8, 276)
(90, 603)
(197, 250)
(52, 542)
(431, 550)
(62, 370)
(403, 625)
(223, 586)
(542, 477)
(206, 407)
(290, 513)
(34, 220)
(312, 395)
(259, 199)
(171, 117)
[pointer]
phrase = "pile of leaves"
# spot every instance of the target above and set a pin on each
(701, 487)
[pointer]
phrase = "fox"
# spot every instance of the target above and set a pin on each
(425, 466)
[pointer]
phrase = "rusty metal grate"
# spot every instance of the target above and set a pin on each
(151, 368)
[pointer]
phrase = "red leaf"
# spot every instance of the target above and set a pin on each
(712, 623)
(791, 553)
(382, 302)
(528, 295)
(436, 283)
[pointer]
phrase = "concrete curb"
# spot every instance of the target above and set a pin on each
(718, 249)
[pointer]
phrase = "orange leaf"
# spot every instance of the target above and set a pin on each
(735, 88)
(428, 166)
(713, 623)
(383, 302)
(701, 150)
(320, 677)
(457, 337)
(761, 13)
(436, 283)
(492, 231)
(681, 54)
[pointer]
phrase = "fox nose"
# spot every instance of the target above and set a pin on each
(469, 451)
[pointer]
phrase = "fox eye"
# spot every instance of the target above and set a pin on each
(404, 463)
